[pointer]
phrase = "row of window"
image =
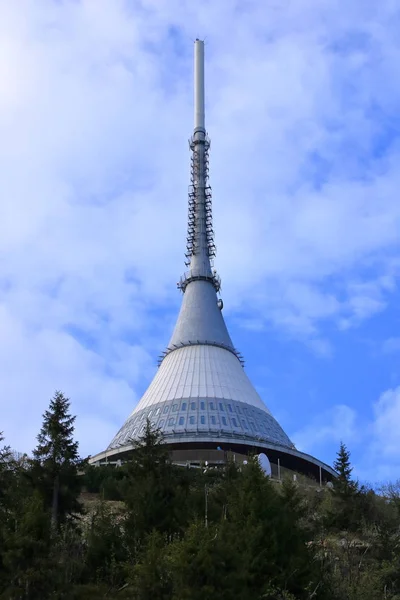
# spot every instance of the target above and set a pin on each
(180, 421)
(193, 406)
(202, 420)
(192, 421)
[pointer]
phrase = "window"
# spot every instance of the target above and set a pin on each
(203, 405)
(192, 420)
(213, 420)
(193, 406)
(161, 423)
(166, 409)
(150, 413)
(184, 406)
(181, 420)
(223, 421)
(203, 420)
(212, 406)
(171, 421)
(234, 422)
(230, 407)
(252, 426)
(244, 424)
(238, 409)
(157, 411)
(174, 407)
(221, 407)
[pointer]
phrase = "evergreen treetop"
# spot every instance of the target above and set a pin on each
(343, 484)
(55, 464)
(56, 446)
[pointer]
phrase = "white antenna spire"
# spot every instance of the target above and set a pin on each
(200, 247)
(199, 120)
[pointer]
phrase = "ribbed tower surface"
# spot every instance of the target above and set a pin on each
(201, 397)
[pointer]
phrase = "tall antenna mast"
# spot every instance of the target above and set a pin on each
(200, 247)
(199, 118)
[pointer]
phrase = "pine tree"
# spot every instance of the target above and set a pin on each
(54, 468)
(106, 554)
(266, 527)
(343, 511)
(150, 490)
(28, 569)
(343, 485)
(150, 577)
(150, 453)
(5, 481)
(206, 565)
(6, 472)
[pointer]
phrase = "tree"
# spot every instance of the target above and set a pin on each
(151, 454)
(5, 484)
(206, 564)
(344, 510)
(54, 468)
(6, 474)
(106, 552)
(343, 485)
(266, 530)
(151, 490)
(150, 578)
(28, 569)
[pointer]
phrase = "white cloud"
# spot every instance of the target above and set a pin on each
(333, 426)
(373, 442)
(391, 345)
(95, 109)
(387, 426)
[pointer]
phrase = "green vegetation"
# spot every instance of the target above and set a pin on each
(152, 531)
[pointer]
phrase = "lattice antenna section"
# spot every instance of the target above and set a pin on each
(200, 222)
(200, 246)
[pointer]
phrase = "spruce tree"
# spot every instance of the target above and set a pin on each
(28, 569)
(343, 510)
(5, 456)
(54, 468)
(343, 484)
(150, 578)
(150, 490)
(6, 472)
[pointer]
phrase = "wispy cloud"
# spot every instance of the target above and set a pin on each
(331, 426)
(387, 425)
(391, 345)
(374, 441)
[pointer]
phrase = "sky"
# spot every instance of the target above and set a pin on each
(302, 108)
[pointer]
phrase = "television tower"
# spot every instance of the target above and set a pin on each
(201, 398)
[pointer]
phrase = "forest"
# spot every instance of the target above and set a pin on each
(150, 530)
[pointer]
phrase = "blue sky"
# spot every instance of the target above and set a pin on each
(302, 107)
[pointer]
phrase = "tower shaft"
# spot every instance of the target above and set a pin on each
(200, 249)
